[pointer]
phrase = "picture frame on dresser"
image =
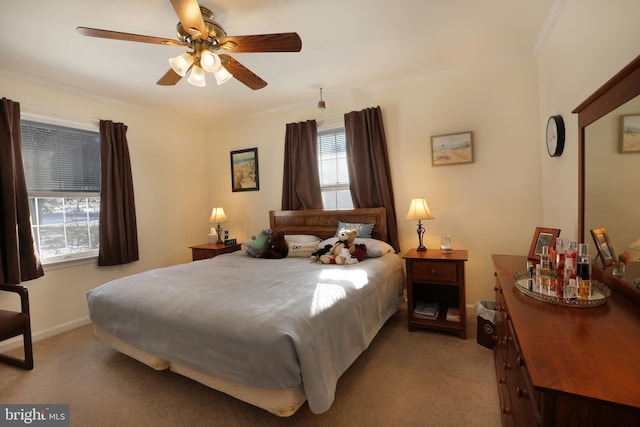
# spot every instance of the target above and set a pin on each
(603, 246)
(543, 237)
(244, 170)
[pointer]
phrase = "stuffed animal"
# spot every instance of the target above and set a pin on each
(345, 241)
(361, 251)
(277, 247)
(258, 243)
(315, 257)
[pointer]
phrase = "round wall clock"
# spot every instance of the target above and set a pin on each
(555, 136)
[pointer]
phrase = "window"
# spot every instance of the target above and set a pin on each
(332, 165)
(62, 171)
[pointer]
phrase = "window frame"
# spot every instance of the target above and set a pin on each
(83, 124)
(337, 187)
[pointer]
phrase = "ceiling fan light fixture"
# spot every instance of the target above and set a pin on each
(196, 77)
(209, 61)
(222, 75)
(181, 63)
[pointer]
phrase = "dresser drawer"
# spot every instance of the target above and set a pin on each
(435, 271)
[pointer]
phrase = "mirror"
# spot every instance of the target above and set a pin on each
(609, 179)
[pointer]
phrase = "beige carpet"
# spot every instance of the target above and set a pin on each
(420, 378)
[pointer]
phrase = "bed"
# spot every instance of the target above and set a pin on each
(272, 333)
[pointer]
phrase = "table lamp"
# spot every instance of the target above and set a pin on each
(419, 210)
(217, 217)
(635, 250)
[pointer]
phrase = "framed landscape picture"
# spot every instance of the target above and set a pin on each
(244, 170)
(452, 148)
(630, 133)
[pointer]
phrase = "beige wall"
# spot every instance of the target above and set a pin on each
(490, 206)
(170, 184)
(591, 41)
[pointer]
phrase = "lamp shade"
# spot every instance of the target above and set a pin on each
(419, 210)
(181, 64)
(196, 76)
(209, 61)
(217, 216)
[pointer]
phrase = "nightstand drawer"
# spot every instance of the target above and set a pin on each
(439, 271)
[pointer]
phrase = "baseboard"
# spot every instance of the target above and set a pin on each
(17, 341)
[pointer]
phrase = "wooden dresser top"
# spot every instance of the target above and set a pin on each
(589, 352)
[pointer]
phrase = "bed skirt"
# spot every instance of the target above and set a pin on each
(283, 403)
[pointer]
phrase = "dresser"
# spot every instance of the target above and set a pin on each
(562, 366)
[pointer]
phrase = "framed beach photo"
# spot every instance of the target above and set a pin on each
(630, 133)
(603, 245)
(543, 237)
(244, 170)
(452, 148)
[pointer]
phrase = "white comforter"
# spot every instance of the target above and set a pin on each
(265, 323)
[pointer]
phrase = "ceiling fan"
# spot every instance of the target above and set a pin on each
(203, 36)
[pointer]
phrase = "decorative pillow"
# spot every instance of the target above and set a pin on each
(303, 250)
(375, 248)
(301, 238)
(364, 230)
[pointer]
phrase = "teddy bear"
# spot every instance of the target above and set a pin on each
(277, 247)
(345, 241)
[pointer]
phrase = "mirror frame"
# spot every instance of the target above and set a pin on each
(622, 87)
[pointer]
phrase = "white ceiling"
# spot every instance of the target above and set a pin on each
(347, 46)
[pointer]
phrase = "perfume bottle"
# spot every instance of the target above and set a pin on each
(557, 285)
(570, 284)
(545, 270)
(583, 273)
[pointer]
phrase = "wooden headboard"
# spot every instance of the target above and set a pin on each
(323, 223)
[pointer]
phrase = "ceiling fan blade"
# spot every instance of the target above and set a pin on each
(242, 73)
(116, 35)
(188, 12)
(280, 42)
(170, 78)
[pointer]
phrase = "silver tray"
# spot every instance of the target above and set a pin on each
(599, 293)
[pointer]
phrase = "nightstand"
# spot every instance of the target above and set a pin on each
(209, 250)
(434, 277)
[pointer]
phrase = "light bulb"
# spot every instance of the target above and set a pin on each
(180, 64)
(209, 61)
(196, 77)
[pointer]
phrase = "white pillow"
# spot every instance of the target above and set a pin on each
(375, 248)
(302, 249)
(301, 238)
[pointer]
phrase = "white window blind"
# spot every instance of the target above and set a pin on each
(62, 172)
(60, 159)
(332, 166)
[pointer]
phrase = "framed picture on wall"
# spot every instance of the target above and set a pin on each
(543, 237)
(630, 133)
(603, 246)
(244, 170)
(452, 148)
